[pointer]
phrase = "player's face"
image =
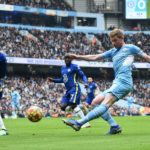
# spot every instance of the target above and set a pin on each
(117, 42)
(90, 80)
(68, 61)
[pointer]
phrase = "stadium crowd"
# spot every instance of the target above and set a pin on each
(47, 95)
(44, 44)
(32, 91)
(54, 44)
(47, 4)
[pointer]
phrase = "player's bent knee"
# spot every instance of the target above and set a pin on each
(93, 103)
(98, 100)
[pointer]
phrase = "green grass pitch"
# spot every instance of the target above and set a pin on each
(52, 134)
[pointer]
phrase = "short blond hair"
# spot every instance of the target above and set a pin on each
(117, 32)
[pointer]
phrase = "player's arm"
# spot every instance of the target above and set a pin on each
(85, 57)
(59, 80)
(146, 57)
(137, 51)
(89, 57)
(82, 75)
(96, 57)
(95, 86)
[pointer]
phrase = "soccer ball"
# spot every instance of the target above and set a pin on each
(34, 113)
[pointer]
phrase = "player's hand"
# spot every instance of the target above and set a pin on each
(50, 79)
(71, 56)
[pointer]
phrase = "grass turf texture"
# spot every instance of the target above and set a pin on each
(52, 134)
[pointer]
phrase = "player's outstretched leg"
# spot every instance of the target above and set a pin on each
(114, 130)
(95, 113)
(80, 113)
(73, 123)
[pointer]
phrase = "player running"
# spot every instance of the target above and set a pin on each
(70, 72)
(90, 91)
(122, 56)
(15, 102)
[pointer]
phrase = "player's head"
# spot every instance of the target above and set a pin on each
(90, 79)
(67, 60)
(117, 38)
(12, 88)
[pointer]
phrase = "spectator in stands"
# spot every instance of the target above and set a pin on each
(48, 4)
(29, 91)
(54, 44)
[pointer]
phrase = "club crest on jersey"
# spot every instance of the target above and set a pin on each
(69, 70)
(124, 49)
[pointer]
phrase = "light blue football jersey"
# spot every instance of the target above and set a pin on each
(15, 96)
(123, 59)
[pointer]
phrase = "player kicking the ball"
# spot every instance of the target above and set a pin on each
(122, 56)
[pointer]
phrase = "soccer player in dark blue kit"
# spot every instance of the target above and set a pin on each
(69, 74)
(90, 88)
(3, 67)
(90, 91)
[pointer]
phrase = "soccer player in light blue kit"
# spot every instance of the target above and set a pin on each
(15, 101)
(122, 56)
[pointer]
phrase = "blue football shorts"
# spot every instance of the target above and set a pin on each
(72, 96)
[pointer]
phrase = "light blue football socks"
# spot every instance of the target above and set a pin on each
(95, 113)
(107, 117)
